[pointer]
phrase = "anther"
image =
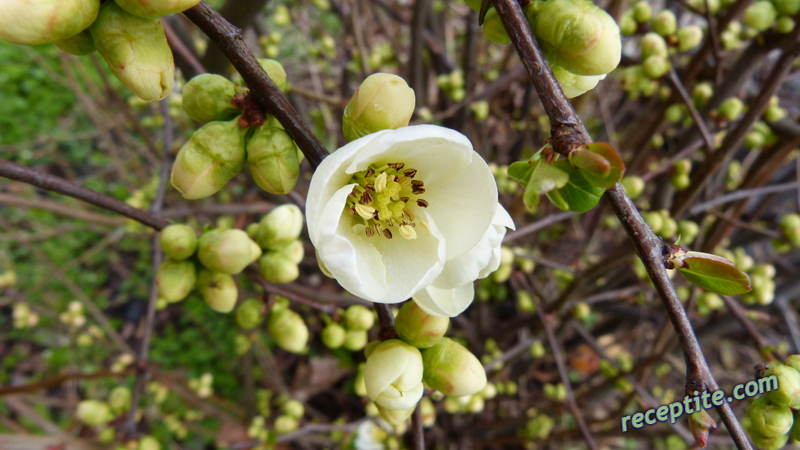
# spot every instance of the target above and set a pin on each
(396, 166)
(422, 203)
(352, 210)
(380, 182)
(410, 173)
(407, 232)
(366, 197)
(417, 183)
(365, 211)
(370, 172)
(369, 232)
(387, 234)
(417, 190)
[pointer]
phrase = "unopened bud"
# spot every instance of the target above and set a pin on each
(218, 289)
(768, 418)
(731, 109)
(382, 102)
(207, 97)
(285, 424)
(275, 71)
(665, 23)
(655, 66)
(760, 15)
(633, 185)
(699, 423)
(333, 335)
(395, 416)
(249, 314)
(273, 161)
(282, 225)
(227, 251)
(80, 44)
(493, 28)
(770, 442)
(652, 44)
(452, 369)
(393, 375)
(36, 22)
(178, 241)
(175, 279)
(288, 329)
(209, 159)
(120, 399)
(358, 317)
(93, 412)
(418, 328)
(277, 268)
(689, 37)
(788, 392)
(575, 85)
(355, 340)
(589, 45)
(136, 50)
(148, 443)
(153, 9)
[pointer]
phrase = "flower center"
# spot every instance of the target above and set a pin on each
(383, 199)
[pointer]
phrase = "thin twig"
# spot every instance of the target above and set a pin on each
(687, 100)
(743, 193)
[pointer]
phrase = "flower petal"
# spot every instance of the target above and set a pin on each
(445, 302)
(482, 259)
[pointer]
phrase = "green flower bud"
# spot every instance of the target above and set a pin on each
(207, 97)
(294, 408)
(688, 230)
(136, 50)
(537, 349)
(175, 279)
(241, 344)
(701, 93)
(633, 185)
(642, 11)
(578, 36)
(178, 241)
(359, 386)
(120, 399)
(393, 375)
(700, 422)
(382, 102)
(787, 7)
(665, 23)
(581, 311)
(294, 251)
(652, 44)
(680, 181)
(288, 329)
(654, 219)
(285, 424)
(760, 15)
(249, 314)
(768, 418)
(218, 290)
(525, 302)
(36, 22)
(627, 23)
(273, 161)
(153, 9)
(209, 159)
(148, 443)
(93, 412)
(771, 442)
(784, 25)
(80, 44)
(355, 340)
(333, 335)
(452, 369)
(655, 66)
(358, 317)
(276, 72)
(731, 109)
(689, 37)
(788, 392)
(774, 114)
(395, 417)
(277, 268)
(227, 251)
(282, 225)
(418, 328)
(575, 85)
(493, 28)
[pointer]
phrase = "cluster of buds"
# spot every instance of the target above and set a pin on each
(772, 415)
(538, 426)
(452, 84)
(122, 362)
(88, 337)
(352, 333)
(286, 327)
(23, 316)
(236, 132)
(382, 102)
(470, 404)
(763, 15)
(97, 413)
(505, 185)
(291, 412)
(665, 226)
(202, 386)
(494, 287)
(660, 38)
(789, 226)
(73, 316)
(679, 175)
(278, 236)
(612, 372)
(763, 280)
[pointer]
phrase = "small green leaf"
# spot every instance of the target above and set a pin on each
(578, 195)
(713, 273)
(520, 171)
(589, 162)
(547, 177)
(616, 168)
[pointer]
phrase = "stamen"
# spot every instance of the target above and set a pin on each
(380, 182)
(410, 173)
(387, 234)
(370, 172)
(365, 211)
(397, 165)
(417, 183)
(407, 232)
(352, 210)
(369, 231)
(366, 197)
(422, 203)
(409, 214)
(417, 190)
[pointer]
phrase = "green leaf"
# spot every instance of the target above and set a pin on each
(547, 177)
(578, 195)
(520, 171)
(713, 273)
(597, 173)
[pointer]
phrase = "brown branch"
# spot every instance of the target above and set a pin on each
(56, 380)
(230, 41)
(568, 132)
(61, 209)
(53, 183)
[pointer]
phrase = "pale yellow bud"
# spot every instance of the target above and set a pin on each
(153, 9)
(382, 102)
(36, 22)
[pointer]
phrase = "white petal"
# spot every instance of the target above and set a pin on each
(482, 259)
(410, 265)
(445, 302)
(358, 268)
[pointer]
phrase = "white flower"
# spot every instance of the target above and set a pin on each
(411, 212)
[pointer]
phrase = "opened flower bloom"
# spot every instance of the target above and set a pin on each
(411, 212)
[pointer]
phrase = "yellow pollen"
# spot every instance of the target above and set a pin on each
(384, 198)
